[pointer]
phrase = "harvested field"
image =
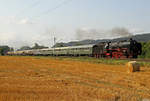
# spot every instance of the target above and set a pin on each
(49, 79)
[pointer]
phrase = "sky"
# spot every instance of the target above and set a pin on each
(25, 22)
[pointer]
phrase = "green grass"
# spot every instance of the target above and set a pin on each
(92, 60)
(144, 64)
(100, 60)
(89, 59)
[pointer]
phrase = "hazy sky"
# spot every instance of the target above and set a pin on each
(24, 22)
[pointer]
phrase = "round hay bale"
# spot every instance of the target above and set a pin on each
(133, 66)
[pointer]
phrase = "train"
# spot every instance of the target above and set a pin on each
(120, 49)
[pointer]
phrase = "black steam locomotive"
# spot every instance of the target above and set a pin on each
(121, 49)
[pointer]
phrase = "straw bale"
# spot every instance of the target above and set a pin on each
(132, 66)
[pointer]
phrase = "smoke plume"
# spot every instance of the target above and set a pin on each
(121, 32)
(84, 33)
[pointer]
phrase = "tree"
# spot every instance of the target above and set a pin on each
(145, 50)
(37, 46)
(11, 49)
(25, 48)
(78, 44)
(4, 50)
(59, 45)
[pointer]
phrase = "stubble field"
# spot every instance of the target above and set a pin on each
(49, 79)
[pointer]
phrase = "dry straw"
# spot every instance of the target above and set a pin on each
(132, 66)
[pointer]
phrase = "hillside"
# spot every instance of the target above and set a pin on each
(140, 37)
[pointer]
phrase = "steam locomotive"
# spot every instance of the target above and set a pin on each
(121, 49)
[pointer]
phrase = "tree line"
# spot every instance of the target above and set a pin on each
(36, 46)
(4, 49)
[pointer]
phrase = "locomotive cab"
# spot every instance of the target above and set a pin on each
(135, 48)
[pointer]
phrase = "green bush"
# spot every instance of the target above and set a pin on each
(4, 50)
(145, 50)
